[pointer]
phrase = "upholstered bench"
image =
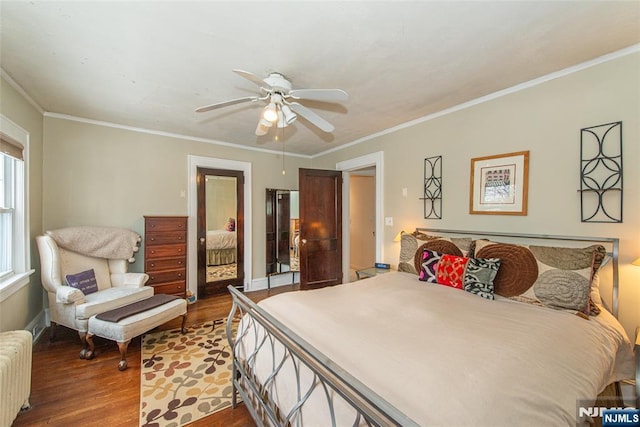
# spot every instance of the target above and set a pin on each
(125, 323)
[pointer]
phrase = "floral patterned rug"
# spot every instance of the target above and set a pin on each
(221, 272)
(185, 377)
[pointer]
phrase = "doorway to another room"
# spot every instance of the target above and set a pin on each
(363, 229)
(362, 220)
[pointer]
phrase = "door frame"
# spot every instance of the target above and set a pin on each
(377, 160)
(193, 162)
(201, 226)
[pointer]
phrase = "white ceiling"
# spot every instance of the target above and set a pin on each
(149, 64)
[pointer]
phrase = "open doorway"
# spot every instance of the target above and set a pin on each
(362, 220)
(371, 165)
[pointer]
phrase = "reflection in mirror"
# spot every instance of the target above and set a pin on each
(221, 243)
(283, 231)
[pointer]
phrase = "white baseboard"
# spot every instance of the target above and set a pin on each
(275, 280)
(37, 326)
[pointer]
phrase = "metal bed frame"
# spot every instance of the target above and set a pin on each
(270, 334)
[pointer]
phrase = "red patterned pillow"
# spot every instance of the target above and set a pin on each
(473, 275)
(451, 271)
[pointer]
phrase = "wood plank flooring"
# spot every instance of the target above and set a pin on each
(68, 391)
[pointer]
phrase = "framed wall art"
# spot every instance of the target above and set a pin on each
(499, 184)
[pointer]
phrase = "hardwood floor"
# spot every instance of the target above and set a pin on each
(68, 391)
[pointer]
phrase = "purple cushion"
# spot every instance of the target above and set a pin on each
(85, 281)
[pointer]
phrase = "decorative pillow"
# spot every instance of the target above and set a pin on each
(413, 244)
(453, 246)
(472, 275)
(555, 277)
(479, 276)
(409, 245)
(85, 281)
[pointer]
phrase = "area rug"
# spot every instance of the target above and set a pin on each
(221, 272)
(185, 377)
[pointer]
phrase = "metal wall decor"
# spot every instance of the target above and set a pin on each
(601, 173)
(432, 188)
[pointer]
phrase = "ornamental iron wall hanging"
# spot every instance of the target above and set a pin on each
(601, 173)
(432, 188)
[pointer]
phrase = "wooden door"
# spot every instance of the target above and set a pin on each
(270, 253)
(216, 284)
(320, 228)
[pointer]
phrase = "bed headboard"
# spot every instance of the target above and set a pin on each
(610, 243)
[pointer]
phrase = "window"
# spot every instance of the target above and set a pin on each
(14, 234)
(8, 167)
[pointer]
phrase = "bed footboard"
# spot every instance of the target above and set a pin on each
(262, 341)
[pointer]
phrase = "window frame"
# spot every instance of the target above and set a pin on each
(19, 278)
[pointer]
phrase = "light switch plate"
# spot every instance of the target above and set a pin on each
(388, 220)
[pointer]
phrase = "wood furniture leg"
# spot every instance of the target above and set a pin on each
(122, 346)
(89, 353)
(85, 353)
(184, 321)
(52, 332)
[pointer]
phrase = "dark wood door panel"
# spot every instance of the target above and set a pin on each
(320, 227)
(203, 285)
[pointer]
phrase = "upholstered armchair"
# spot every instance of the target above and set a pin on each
(70, 306)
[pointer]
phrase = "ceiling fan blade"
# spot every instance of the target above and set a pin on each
(226, 104)
(312, 117)
(253, 78)
(327, 95)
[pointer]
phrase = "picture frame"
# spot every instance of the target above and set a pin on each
(500, 184)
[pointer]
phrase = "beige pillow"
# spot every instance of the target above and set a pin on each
(555, 277)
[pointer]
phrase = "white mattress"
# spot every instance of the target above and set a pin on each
(447, 357)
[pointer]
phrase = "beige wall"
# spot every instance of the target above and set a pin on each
(21, 308)
(544, 119)
(107, 176)
(221, 201)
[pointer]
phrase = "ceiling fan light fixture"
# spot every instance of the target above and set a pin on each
(270, 113)
(289, 116)
(263, 127)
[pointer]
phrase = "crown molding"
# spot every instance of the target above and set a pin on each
(513, 89)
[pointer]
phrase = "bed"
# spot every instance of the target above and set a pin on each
(395, 350)
(221, 247)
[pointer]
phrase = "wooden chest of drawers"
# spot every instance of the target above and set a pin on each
(165, 253)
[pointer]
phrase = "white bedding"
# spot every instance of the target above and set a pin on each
(221, 239)
(446, 357)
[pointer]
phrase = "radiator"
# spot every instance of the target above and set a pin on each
(15, 374)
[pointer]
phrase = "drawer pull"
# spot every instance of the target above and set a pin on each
(153, 277)
(179, 237)
(179, 274)
(152, 264)
(179, 262)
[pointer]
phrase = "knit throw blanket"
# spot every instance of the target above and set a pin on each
(100, 242)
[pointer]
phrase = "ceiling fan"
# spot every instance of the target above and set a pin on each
(282, 108)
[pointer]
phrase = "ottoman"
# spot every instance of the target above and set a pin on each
(128, 322)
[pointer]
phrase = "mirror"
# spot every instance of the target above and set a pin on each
(220, 225)
(283, 231)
